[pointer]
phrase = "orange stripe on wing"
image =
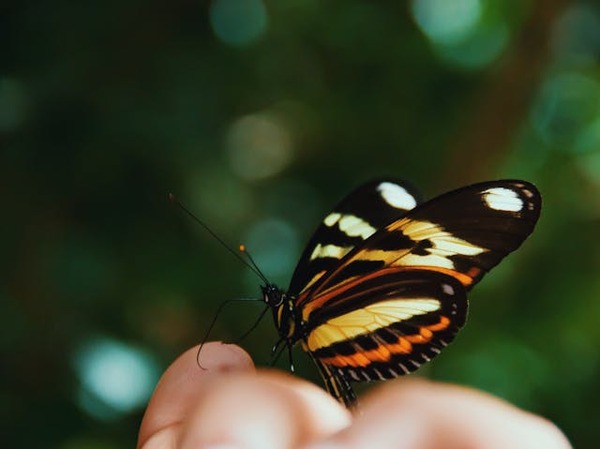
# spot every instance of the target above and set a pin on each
(336, 290)
(465, 279)
(321, 299)
(385, 351)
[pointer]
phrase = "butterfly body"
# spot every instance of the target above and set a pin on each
(285, 313)
(381, 286)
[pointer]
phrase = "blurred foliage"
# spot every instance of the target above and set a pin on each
(260, 115)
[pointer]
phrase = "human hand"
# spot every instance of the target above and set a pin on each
(230, 405)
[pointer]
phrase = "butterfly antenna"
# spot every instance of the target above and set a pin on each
(257, 270)
(252, 265)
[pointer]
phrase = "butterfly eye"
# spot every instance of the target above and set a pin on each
(272, 295)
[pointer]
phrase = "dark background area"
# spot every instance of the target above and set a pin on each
(260, 115)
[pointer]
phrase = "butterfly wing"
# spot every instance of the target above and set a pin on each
(463, 233)
(391, 303)
(387, 324)
(359, 215)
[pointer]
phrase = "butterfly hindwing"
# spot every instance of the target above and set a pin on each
(387, 324)
(359, 215)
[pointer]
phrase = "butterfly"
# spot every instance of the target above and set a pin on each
(381, 287)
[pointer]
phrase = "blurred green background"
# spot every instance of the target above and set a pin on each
(260, 115)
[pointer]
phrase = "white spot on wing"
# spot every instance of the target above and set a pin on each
(448, 289)
(503, 199)
(528, 193)
(350, 225)
(403, 368)
(354, 226)
(396, 196)
(332, 219)
(354, 375)
(337, 252)
(378, 374)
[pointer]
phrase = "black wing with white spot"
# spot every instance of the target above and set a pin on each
(394, 301)
(359, 215)
(463, 233)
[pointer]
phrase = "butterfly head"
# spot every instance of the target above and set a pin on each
(272, 295)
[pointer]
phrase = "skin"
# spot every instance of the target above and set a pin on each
(230, 405)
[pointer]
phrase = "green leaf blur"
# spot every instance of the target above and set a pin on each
(259, 115)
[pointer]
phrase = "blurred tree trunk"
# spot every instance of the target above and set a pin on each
(504, 100)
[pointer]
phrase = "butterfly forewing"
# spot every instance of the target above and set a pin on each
(359, 215)
(463, 233)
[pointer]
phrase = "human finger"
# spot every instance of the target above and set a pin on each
(411, 414)
(271, 410)
(181, 385)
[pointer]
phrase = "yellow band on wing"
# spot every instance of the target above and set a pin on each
(369, 319)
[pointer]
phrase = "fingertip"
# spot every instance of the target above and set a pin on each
(537, 431)
(331, 416)
(272, 410)
(221, 357)
(432, 414)
(185, 379)
(194, 367)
